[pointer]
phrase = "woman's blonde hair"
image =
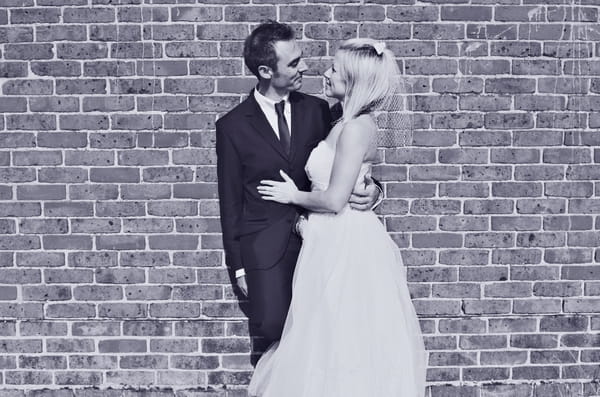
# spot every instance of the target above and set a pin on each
(370, 73)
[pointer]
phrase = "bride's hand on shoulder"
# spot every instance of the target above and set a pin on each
(282, 192)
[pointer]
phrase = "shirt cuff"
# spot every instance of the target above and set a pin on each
(379, 199)
(240, 273)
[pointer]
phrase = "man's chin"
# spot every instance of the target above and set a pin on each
(297, 85)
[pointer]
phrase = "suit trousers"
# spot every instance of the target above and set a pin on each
(270, 294)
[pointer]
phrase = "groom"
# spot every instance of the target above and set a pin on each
(274, 129)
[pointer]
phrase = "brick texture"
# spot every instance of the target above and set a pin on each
(112, 281)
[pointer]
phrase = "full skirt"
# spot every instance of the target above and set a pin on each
(351, 330)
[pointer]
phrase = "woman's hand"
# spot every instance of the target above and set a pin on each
(281, 192)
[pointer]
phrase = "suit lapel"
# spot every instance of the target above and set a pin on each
(260, 123)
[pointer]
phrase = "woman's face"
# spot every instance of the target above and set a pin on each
(335, 86)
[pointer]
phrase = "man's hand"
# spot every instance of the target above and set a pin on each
(364, 199)
(241, 282)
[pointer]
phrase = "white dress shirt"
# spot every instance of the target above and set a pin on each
(267, 106)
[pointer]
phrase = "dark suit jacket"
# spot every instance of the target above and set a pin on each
(256, 231)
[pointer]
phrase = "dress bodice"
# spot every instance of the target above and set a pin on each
(320, 164)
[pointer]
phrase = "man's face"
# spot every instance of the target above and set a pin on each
(290, 66)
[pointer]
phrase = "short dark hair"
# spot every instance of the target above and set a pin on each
(259, 46)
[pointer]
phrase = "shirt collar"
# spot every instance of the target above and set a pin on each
(263, 100)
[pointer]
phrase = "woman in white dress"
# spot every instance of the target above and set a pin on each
(351, 330)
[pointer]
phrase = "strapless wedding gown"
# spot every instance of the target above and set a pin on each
(351, 330)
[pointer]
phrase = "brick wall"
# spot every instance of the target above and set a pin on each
(111, 269)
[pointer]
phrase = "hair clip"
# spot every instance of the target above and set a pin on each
(379, 47)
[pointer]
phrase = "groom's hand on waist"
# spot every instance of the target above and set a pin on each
(366, 198)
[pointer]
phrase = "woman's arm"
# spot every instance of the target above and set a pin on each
(352, 146)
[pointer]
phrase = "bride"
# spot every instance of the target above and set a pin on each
(351, 330)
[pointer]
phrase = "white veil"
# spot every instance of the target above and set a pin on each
(395, 121)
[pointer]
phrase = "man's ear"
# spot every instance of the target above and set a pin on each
(265, 72)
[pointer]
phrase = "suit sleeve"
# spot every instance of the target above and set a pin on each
(336, 111)
(231, 198)
(327, 117)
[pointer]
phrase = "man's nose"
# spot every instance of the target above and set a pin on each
(302, 66)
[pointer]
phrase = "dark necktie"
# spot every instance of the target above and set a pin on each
(284, 132)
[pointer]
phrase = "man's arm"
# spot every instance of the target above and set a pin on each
(336, 111)
(231, 198)
(379, 197)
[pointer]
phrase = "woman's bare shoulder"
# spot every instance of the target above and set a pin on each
(362, 128)
(360, 133)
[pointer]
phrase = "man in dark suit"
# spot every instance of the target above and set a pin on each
(274, 129)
